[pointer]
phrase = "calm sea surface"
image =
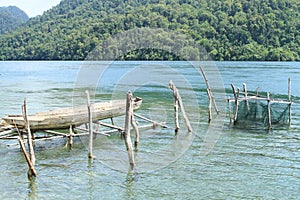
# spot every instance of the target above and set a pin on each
(215, 161)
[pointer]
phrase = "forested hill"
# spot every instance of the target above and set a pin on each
(227, 29)
(11, 17)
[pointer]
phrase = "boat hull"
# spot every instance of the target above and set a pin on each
(62, 118)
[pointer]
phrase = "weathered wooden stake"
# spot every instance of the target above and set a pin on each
(257, 91)
(176, 115)
(246, 96)
(127, 138)
(136, 130)
(209, 106)
(210, 96)
(31, 171)
(29, 134)
(229, 108)
(289, 98)
(236, 103)
(178, 101)
(269, 111)
(90, 117)
(71, 137)
(289, 89)
(112, 121)
(31, 158)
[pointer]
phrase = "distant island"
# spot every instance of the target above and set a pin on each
(229, 30)
(11, 17)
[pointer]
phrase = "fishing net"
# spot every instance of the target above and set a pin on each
(256, 111)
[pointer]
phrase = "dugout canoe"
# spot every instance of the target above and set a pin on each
(62, 118)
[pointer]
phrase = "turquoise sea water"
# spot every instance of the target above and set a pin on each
(238, 163)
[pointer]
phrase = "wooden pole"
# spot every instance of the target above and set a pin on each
(236, 103)
(180, 103)
(31, 158)
(229, 108)
(162, 124)
(29, 134)
(289, 89)
(209, 106)
(31, 171)
(127, 138)
(71, 137)
(136, 130)
(289, 98)
(176, 115)
(209, 92)
(269, 111)
(246, 96)
(112, 121)
(90, 118)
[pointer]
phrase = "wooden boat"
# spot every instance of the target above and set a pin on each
(62, 118)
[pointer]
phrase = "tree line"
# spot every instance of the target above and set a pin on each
(256, 30)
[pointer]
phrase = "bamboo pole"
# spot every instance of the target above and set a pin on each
(94, 132)
(127, 138)
(110, 125)
(269, 111)
(180, 103)
(29, 134)
(149, 120)
(7, 132)
(105, 133)
(55, 132)
(90, 118)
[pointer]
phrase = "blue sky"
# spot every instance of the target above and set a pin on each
(31, 7)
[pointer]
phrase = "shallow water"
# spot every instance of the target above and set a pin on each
(213, 162)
